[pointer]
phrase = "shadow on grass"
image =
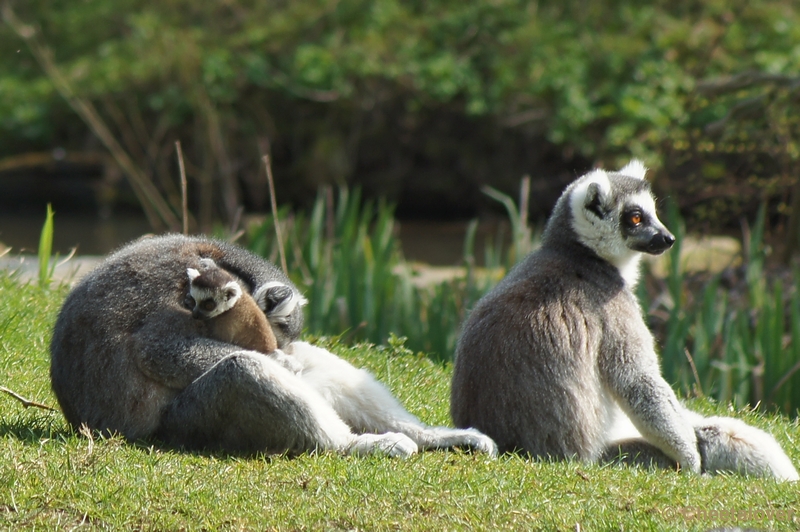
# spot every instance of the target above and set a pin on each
(33, 428)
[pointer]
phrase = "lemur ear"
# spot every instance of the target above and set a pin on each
(207, 263)
(193, 274)
(635, 168)
(232, 291)
(595, 201)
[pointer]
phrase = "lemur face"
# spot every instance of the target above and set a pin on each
(641, 228)
(212, 292)
(614, 214)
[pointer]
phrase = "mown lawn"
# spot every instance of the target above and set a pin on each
(53, 478)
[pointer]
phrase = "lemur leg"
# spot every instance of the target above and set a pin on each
(247, 402)
(650, 403)
(366, 405)
(636, 452)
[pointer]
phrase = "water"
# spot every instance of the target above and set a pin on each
(86, 232)
(435, 243)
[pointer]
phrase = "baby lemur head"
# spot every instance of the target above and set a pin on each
(213, 289)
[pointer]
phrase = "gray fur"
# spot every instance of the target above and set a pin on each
(125, 344)
(281, 304)
(128, 357)
(726, 445)
(732, 446)
(551, 358)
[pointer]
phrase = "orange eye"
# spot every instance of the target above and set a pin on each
(635, 218)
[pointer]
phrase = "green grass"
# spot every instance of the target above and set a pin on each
(52, 478)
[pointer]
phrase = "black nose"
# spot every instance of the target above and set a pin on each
(660, 242)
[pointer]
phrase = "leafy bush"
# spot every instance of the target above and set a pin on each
(429, 100)
(737, 343)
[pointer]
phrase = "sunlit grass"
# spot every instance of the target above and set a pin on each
(53, 478)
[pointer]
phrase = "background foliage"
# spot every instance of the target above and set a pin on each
(421, 102)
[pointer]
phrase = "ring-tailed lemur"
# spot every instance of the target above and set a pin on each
(552, 359)
(231, 314)
(127, 356)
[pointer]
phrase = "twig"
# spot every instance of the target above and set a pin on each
(155, 207)
(184, 189)
(274, 205)
(694, 371)
(69, 256)
(740, 81)
(86, 432)
(25, 402)
(782, 381)
(235, 232)
(524, 199)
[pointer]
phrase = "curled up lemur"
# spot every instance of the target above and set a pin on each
(232, 315)
(557, 360)
(128, 357)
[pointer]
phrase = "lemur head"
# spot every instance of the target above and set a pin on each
(278, 301)
(213, 290)
(614, 214)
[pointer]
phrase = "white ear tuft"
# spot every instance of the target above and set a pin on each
(234, 287)
(207, 263)
(193, 274)
(635, 168)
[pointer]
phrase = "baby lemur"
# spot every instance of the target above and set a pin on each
(231, 314)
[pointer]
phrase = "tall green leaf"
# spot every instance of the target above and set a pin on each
(46, 248)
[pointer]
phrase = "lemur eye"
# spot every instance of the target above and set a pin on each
(635, 218)
(208, 304)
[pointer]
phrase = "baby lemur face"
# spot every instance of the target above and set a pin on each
(213, 290)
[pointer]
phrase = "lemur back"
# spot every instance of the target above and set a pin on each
(230, 313)
(125, 343)
(561, 338)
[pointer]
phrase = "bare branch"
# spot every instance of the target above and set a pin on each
(742, 81)
(275, 219)
(156, 208)
(184, 189)
(25, 402)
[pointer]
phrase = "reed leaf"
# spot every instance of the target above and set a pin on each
(46, 248)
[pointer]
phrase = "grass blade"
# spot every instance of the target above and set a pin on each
(46, 248)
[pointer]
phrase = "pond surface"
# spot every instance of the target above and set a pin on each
(90, 234)
(433, 242)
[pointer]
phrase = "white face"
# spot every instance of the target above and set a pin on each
(212, 301)
(618, 227)
(596, 226)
